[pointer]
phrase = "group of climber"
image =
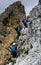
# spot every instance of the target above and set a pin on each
(24, 21)
(18, 29)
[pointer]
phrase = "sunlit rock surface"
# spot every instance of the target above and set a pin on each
(34, 55)
(8, 20)
(29, 42)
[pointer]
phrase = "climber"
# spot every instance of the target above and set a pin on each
(25, 20)
(13, 49)
(18, 29)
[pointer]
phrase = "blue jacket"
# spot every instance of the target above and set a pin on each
(25, 20)
(19, 28)
(13, 49)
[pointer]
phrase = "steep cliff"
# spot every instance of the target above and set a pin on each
(29, 42)
(34, 37)
(8, 20)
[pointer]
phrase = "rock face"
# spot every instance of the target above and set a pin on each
(34, 37)
(29, 42)
(23, 45)
(12, 15)
(8, 20)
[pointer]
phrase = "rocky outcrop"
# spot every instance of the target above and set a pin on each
(34, 37)
(13, 14)
(8, 20)
(29, 42)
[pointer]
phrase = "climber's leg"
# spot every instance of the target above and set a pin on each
(18, 33)
(14, 54)
(25, 24)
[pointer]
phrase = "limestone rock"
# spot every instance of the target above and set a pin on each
(34, 37)
(8, 20)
